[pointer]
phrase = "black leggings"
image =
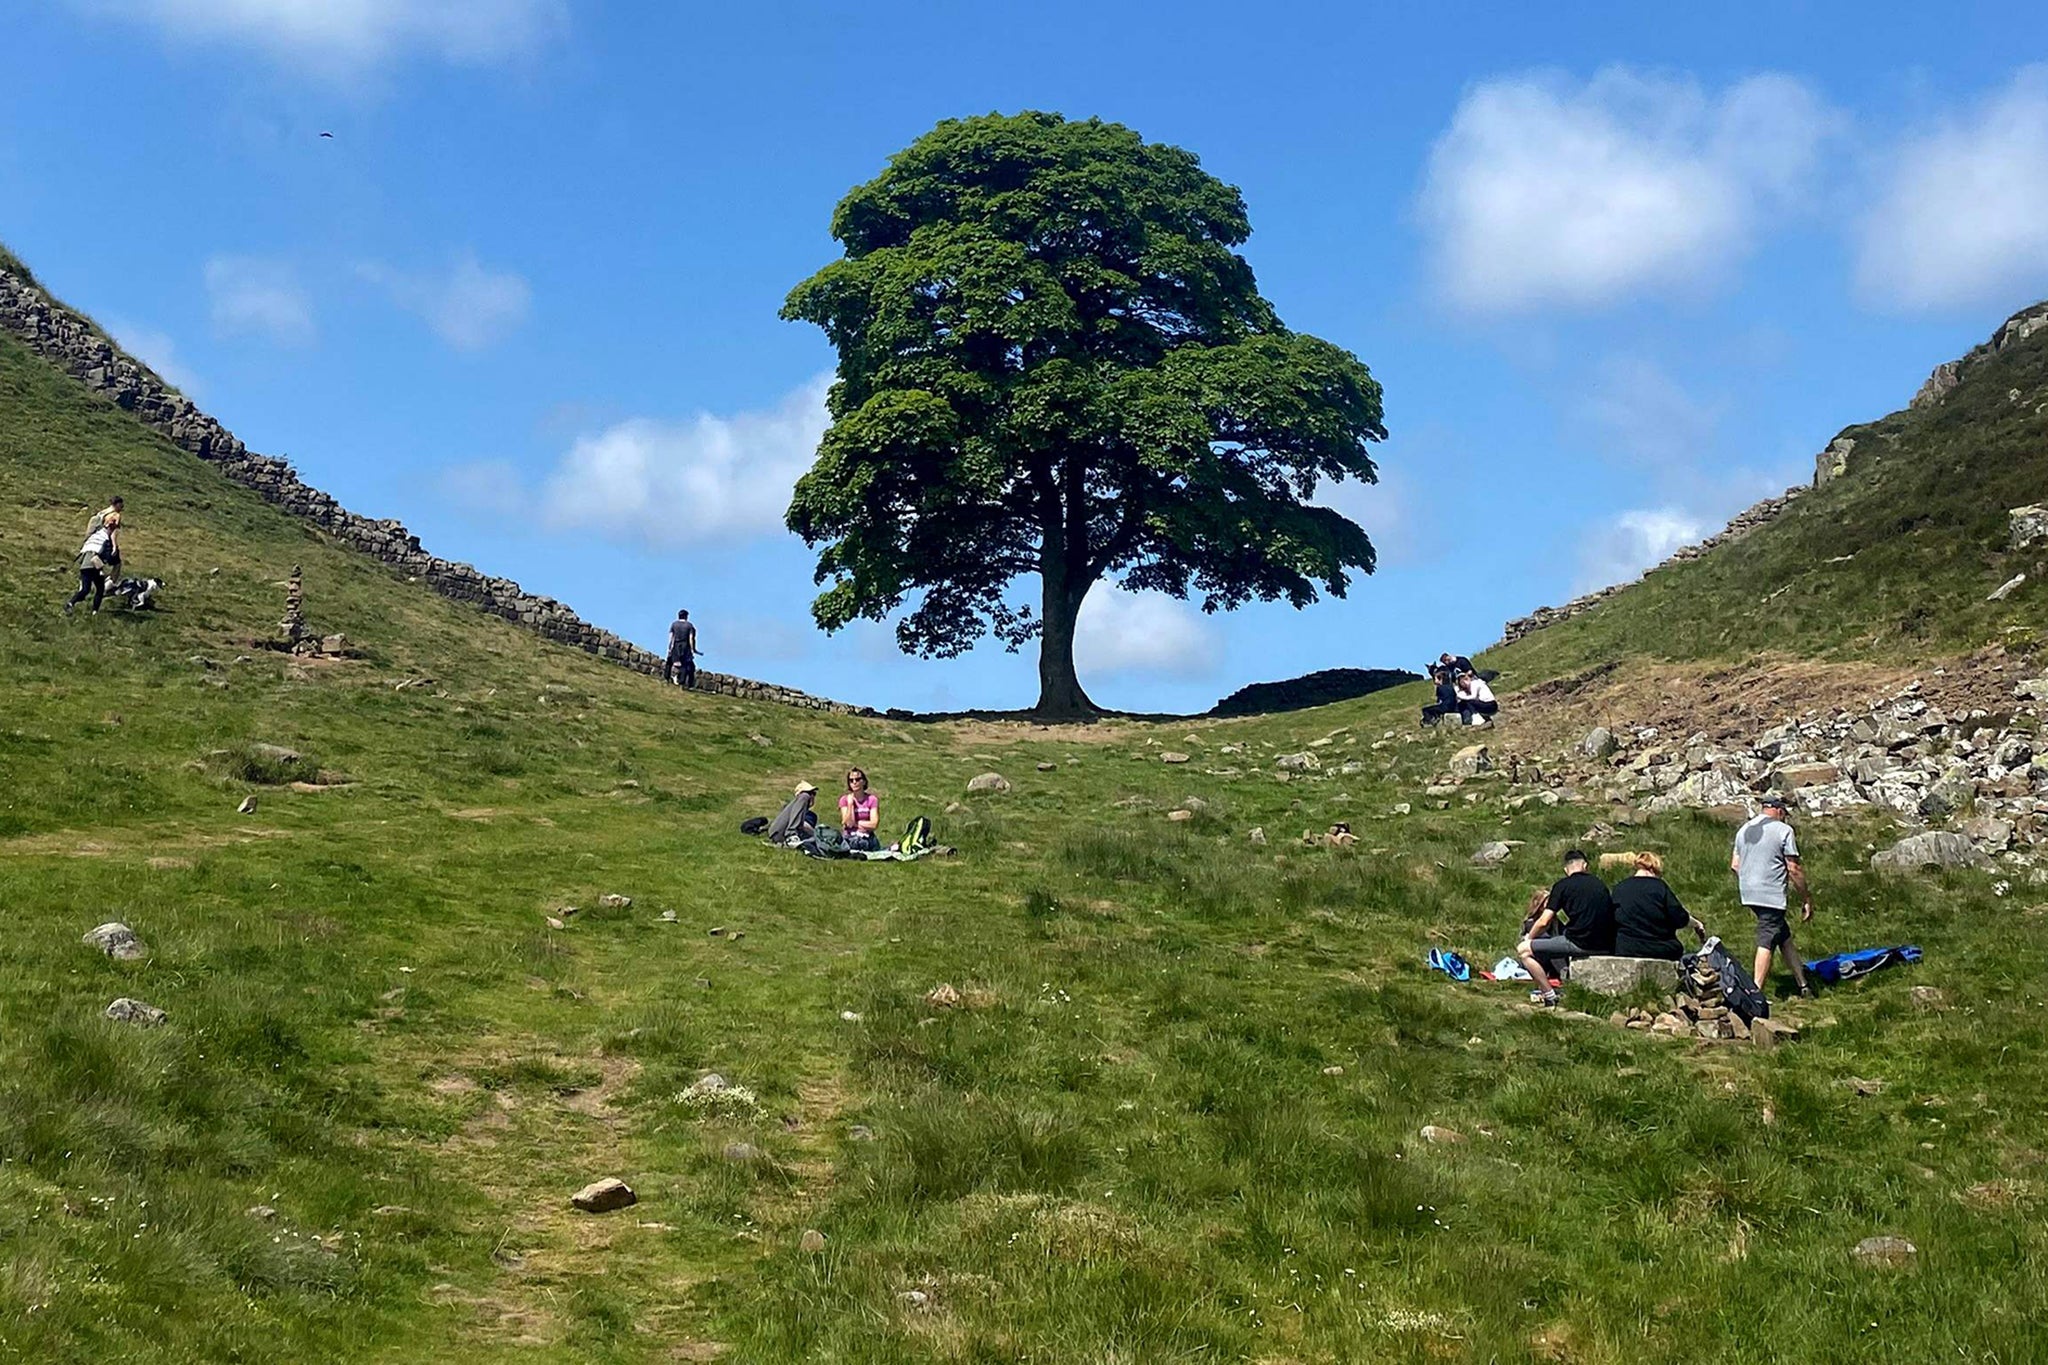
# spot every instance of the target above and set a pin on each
(682, 670)
(92, 581)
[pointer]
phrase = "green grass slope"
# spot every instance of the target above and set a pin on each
(1891, 562)
(1174, 1115)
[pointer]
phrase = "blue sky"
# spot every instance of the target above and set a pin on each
(1620, 272)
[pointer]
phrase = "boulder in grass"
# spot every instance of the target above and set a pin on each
(117, 941)
(615, 902)
(1304, 762)
(988, 782)
(1935, 848)
(1620, 975)
(1471, 761)
(126, 1011)
(1492, 854)
(1173, 758)
(1891, 1252)
(604, 1195)
(1599, 743)
(1446, 1136)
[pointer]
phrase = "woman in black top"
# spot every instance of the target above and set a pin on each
(1647, 916)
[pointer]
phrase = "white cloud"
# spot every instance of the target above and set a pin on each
(1963, 216)
(705, 480)
(155, 349)
(1543, 192)
(1638, 540)
(338, 36)
(468, 306)
(1121, 632)
(254, 296)
(1638, 413)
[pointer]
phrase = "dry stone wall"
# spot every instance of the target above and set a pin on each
(71, 343)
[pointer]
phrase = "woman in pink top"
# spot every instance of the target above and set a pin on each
(860, 814)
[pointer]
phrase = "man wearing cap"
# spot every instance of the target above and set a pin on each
(1766, 864)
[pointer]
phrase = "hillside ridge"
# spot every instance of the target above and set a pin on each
(80, 350)
(1832, 462)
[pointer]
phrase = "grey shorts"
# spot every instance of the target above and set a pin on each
(1772, 929)
(1553, 947)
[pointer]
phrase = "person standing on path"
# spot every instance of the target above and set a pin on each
(682, 651)
(1766, 864)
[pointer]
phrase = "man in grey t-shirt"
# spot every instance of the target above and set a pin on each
(1766, 864)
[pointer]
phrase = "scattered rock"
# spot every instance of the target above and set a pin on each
(1933, 999)
(262, 1211)
(914, 1298)
(988, 782)
(554, 923)
(2026, 526)
(1258, 834)
(762, 740)
(1401, 808)
(126, 1011)
(1333, 1071)
(744, 1154)
(1599, 743)
(1471, 761)
(1179, 815)
(248, 806)
(613, 903)
(1302, 762)
(2006, 589)
(1172, 757)
(668, 917)
(1886, 1251)
(604, 1195)
(2031, 689)
(710, 1083)
(1492, 854)
(276, 753)
(1620, 975)
(1432, 1133)
(117, 941)
(1047, 767)
(812, 1242)
(860, 1132)
(1935, 848)
(1988, 831)
(943, 996)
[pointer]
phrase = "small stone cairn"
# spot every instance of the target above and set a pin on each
(294, 637)
(1698, 1010)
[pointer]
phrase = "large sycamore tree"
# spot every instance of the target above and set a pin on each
(1053, 361)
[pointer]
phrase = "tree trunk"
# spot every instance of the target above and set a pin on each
(1059, 688)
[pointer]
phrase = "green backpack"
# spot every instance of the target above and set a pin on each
(917, 836)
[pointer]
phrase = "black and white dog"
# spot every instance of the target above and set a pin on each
(136, 592)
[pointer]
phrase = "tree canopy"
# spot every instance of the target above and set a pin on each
(1053, 361)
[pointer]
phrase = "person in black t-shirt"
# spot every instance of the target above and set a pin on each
(1647, 916)
(1581, 907)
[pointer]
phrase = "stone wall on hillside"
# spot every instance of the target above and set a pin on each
(1743, 523)
(71, 343)
(1831, 463)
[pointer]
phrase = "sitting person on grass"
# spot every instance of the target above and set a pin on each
(1647, 916)
(1475, 699)
(1580, 902)
(860, 814)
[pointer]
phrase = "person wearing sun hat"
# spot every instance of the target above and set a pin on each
(796, 818)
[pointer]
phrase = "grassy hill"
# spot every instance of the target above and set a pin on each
(1174, 1115)
(1892, 561)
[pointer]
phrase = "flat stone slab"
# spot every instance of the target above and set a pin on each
(1620, 975)
(602, 1196)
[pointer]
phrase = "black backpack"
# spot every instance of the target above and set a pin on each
(1738, 989)
(757, 825)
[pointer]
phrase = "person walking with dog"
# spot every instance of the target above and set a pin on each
(1766, 864)
(114, 508)
(682, 651)
(97, 558)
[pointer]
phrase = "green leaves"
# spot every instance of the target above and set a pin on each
(1053, 361)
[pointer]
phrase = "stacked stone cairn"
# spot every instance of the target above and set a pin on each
(1697, 1009)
